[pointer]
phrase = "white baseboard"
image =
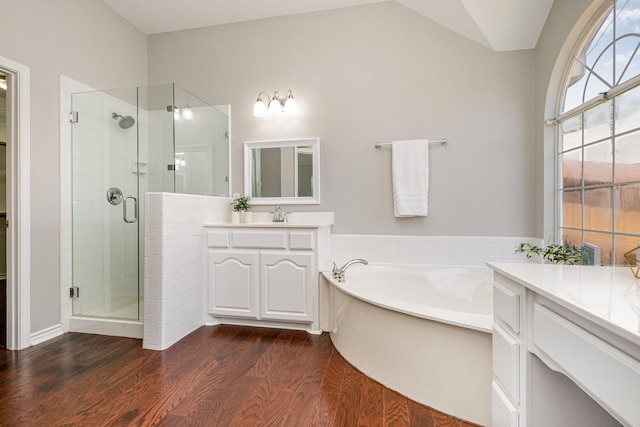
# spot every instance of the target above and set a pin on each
(112, 327)
(46, 334)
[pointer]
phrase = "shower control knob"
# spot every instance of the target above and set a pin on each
(114, 196)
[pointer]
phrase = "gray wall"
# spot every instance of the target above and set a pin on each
(371, 73)
(89, 42)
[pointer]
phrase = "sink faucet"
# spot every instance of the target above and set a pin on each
(279, 216)
(338, 273)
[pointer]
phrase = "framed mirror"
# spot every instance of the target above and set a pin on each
(282, 172)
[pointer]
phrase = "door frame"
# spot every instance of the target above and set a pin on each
(18, 204)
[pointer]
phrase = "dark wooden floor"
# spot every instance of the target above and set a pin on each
(217, 376)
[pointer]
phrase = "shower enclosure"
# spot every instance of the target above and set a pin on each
(126, 142)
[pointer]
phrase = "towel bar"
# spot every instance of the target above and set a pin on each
(443, 142)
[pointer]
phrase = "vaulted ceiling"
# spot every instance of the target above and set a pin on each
(501, 25)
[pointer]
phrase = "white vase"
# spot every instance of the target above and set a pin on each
(235, 217)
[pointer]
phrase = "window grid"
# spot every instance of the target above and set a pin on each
(599, 222)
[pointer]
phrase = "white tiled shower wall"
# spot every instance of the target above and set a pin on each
(174, 264)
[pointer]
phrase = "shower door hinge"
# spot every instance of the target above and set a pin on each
(73, 117)
(74, 292)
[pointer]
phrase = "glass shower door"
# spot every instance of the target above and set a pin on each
(105, 210)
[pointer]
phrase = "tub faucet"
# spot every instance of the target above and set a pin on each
(279, 216)
(338, 273)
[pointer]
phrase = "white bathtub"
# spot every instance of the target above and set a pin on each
(422, 331)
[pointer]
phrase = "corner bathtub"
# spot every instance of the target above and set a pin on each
(422, 331)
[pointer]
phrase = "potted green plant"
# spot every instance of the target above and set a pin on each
(241, 207)
(556, 253)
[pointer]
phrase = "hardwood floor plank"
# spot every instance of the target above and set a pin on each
(180, 390)
(271, 356)
(289, 370)
(217, 376)
(325, 410)
(334, 376)
(348, 409)
(443, 420)
(396, 412)
(218, 407)
(419, 415)
(365, 421)
(303, 409)
(244, 358)
(268, 397)
(372, 405)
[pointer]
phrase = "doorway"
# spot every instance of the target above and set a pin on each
(18, 207)
(3, 210)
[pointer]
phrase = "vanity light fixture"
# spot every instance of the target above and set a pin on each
(276, 105)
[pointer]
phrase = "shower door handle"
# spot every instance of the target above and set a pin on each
(124, 209)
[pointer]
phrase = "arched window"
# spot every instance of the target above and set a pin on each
(599, 137)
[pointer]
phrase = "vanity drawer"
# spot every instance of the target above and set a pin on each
(611, 376)
(259, 239)
(506, 304)
(301, 240)
(218, 239)
(504, 413)
(506, 362)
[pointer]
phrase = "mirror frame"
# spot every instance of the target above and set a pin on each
(280, 143)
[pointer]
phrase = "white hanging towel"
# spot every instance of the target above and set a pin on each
(410, 174)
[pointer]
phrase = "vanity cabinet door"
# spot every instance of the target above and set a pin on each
(287, 280)
(233, 283)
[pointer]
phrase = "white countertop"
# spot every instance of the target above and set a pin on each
(267, 225)
(608, 296)
(294, 220)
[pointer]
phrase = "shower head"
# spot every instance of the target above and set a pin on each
(125, 122)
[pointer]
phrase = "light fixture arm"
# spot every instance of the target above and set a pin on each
(260, 97)
(276, 97)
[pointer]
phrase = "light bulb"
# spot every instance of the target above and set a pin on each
(290, 105)
(275, 109)
(259, 109)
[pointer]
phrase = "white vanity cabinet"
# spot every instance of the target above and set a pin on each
(581, 324)
(265, 275)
